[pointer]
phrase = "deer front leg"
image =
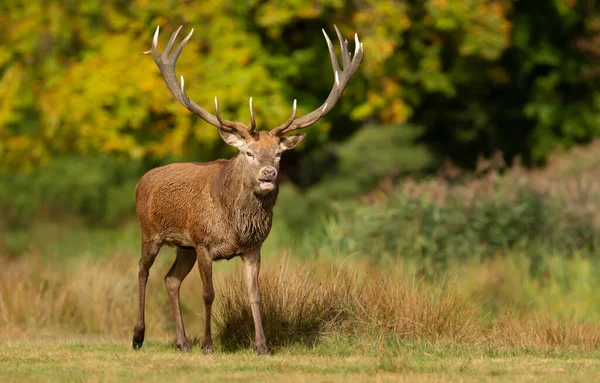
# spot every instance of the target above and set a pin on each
(149, 251)
(251, 262)
(205, 267)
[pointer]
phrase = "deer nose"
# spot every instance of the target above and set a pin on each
(268, 172)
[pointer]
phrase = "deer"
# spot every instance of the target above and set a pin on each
(224, 208)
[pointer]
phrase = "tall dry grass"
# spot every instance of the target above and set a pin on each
(301, 303)
(544, 331)
(92, 296)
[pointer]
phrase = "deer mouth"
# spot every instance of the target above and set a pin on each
(266, 184)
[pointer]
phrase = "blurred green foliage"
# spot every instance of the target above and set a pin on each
(430, 235)
(541, 92)
(517, 76)
(99, 190)
(83, 113)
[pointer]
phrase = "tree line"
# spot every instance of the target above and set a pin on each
(472, 75)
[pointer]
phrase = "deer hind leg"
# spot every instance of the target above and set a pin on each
(205, 268)
(181, 268)
(149, 251)
(251, 263)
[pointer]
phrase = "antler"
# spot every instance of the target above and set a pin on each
(341, 80)
(166, 65)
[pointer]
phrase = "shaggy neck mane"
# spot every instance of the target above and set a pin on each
(251, 214)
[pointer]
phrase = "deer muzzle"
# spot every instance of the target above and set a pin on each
(267, 178)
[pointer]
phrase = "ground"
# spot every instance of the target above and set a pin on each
(100, 359)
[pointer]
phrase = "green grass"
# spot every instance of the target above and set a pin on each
(101, 359)
(72, 322)
(358, 297)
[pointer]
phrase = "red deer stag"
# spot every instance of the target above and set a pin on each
(220, 209)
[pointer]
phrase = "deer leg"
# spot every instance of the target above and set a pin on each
(205, 267)
(181, 268)
(251, 263)
(149, 252)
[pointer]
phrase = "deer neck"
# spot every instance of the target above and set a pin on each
(251, 215)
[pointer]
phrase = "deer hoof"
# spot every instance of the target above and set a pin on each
(208, 349)
(138, 341)
(184, 347)
(261, 349)
(138, 337)
(137, 344)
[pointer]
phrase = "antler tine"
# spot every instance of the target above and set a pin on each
(332, 55)
(167, 70)
(276, 131)
(179, 48)
(167, 50)
(217, 112)
(341, 78)
(344, 47)
(241, 128)
(252, 120)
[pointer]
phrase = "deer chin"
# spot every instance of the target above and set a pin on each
(266, 186)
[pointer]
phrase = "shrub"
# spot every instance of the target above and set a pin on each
(100, 190)
(440, 223)
(300, 307)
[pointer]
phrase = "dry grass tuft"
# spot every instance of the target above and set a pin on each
(300, 304)
(410, 308)
(92, 296)
(296, 308)
(543, 331)
(299, 307)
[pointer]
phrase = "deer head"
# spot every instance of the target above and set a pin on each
(260, 152)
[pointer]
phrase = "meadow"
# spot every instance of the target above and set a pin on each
(72, 321)
(491, 276)
(404, 246)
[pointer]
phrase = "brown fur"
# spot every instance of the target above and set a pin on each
(220, 209)
(203, 204)
(210, 211)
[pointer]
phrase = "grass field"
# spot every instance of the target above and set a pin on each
(72, 321)
(101, 359)
(465, 282)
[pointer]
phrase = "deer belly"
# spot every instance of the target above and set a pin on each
(226, 250)
(176, 239)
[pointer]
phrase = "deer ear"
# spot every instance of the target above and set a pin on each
(232, 138)
(289, 142)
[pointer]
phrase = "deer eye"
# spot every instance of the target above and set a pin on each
(250, 155)
(278, 155)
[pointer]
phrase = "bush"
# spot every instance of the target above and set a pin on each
(346, 172)
(440, 223)
(412, 227)
(100, 190)
(300, 307)
(91, 191)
